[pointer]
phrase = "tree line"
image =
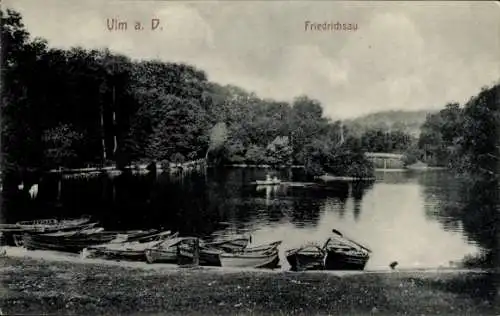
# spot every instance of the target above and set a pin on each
(77, 107)
(465, 138)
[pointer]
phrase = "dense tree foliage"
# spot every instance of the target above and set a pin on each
(72, 108)
(465, 138)
(69, 108)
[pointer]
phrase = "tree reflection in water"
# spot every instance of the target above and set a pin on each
(194, 204)
(471, 206)
(358, 191)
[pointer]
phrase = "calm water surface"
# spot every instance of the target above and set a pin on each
(426, 219)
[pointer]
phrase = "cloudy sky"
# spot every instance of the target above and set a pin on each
(402, 56)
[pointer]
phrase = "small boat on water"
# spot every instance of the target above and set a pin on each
(268, 181)
(337, 253)
(265, 182)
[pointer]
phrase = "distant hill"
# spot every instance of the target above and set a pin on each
(408, 121)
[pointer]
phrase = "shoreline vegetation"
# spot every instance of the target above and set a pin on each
(38, 285)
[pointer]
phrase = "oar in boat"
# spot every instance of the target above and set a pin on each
(341, 235)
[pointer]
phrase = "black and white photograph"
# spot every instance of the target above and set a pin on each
(249, 157)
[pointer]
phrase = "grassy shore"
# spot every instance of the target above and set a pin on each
(35, 286)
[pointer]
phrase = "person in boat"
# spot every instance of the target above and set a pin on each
(268, 177)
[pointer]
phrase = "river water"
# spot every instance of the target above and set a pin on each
(421, 220)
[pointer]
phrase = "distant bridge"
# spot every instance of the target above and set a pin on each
(386, 160)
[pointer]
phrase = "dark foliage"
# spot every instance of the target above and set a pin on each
(465, 138)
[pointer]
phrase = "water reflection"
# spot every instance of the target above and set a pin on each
(418, 219)
(358, 191)
(467, 206)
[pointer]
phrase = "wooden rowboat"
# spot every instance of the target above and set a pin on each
(87, 228)
(268, 182)
(263, 259)
(131, 249)
(14, 234)
(337, 253)
(67, 243)
(165, 252)
(345, 254)
(307, 257)
(207, 256)
(44, 225)
(182, 250)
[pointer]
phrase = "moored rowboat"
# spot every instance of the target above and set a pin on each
(268, 182)
(207, 256)
(345, 254)
(44, 225)
(308, 257)
(250, 260)
(165, 252)
(68, 243)
(337, 253)
(13, 232)
(133, 249)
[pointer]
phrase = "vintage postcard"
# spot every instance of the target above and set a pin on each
(250, 157)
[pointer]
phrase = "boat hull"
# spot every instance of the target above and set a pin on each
(340, 261)
(305, 261)
(132, 255)
(13, 232)
(254, 260)
(133, 248)
(207, 257)
(73, 244)
(161, 255)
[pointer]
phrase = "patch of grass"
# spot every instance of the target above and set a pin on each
(34, 287)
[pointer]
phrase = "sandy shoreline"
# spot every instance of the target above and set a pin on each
(35, 282)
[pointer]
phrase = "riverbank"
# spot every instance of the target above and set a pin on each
(36, 285)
